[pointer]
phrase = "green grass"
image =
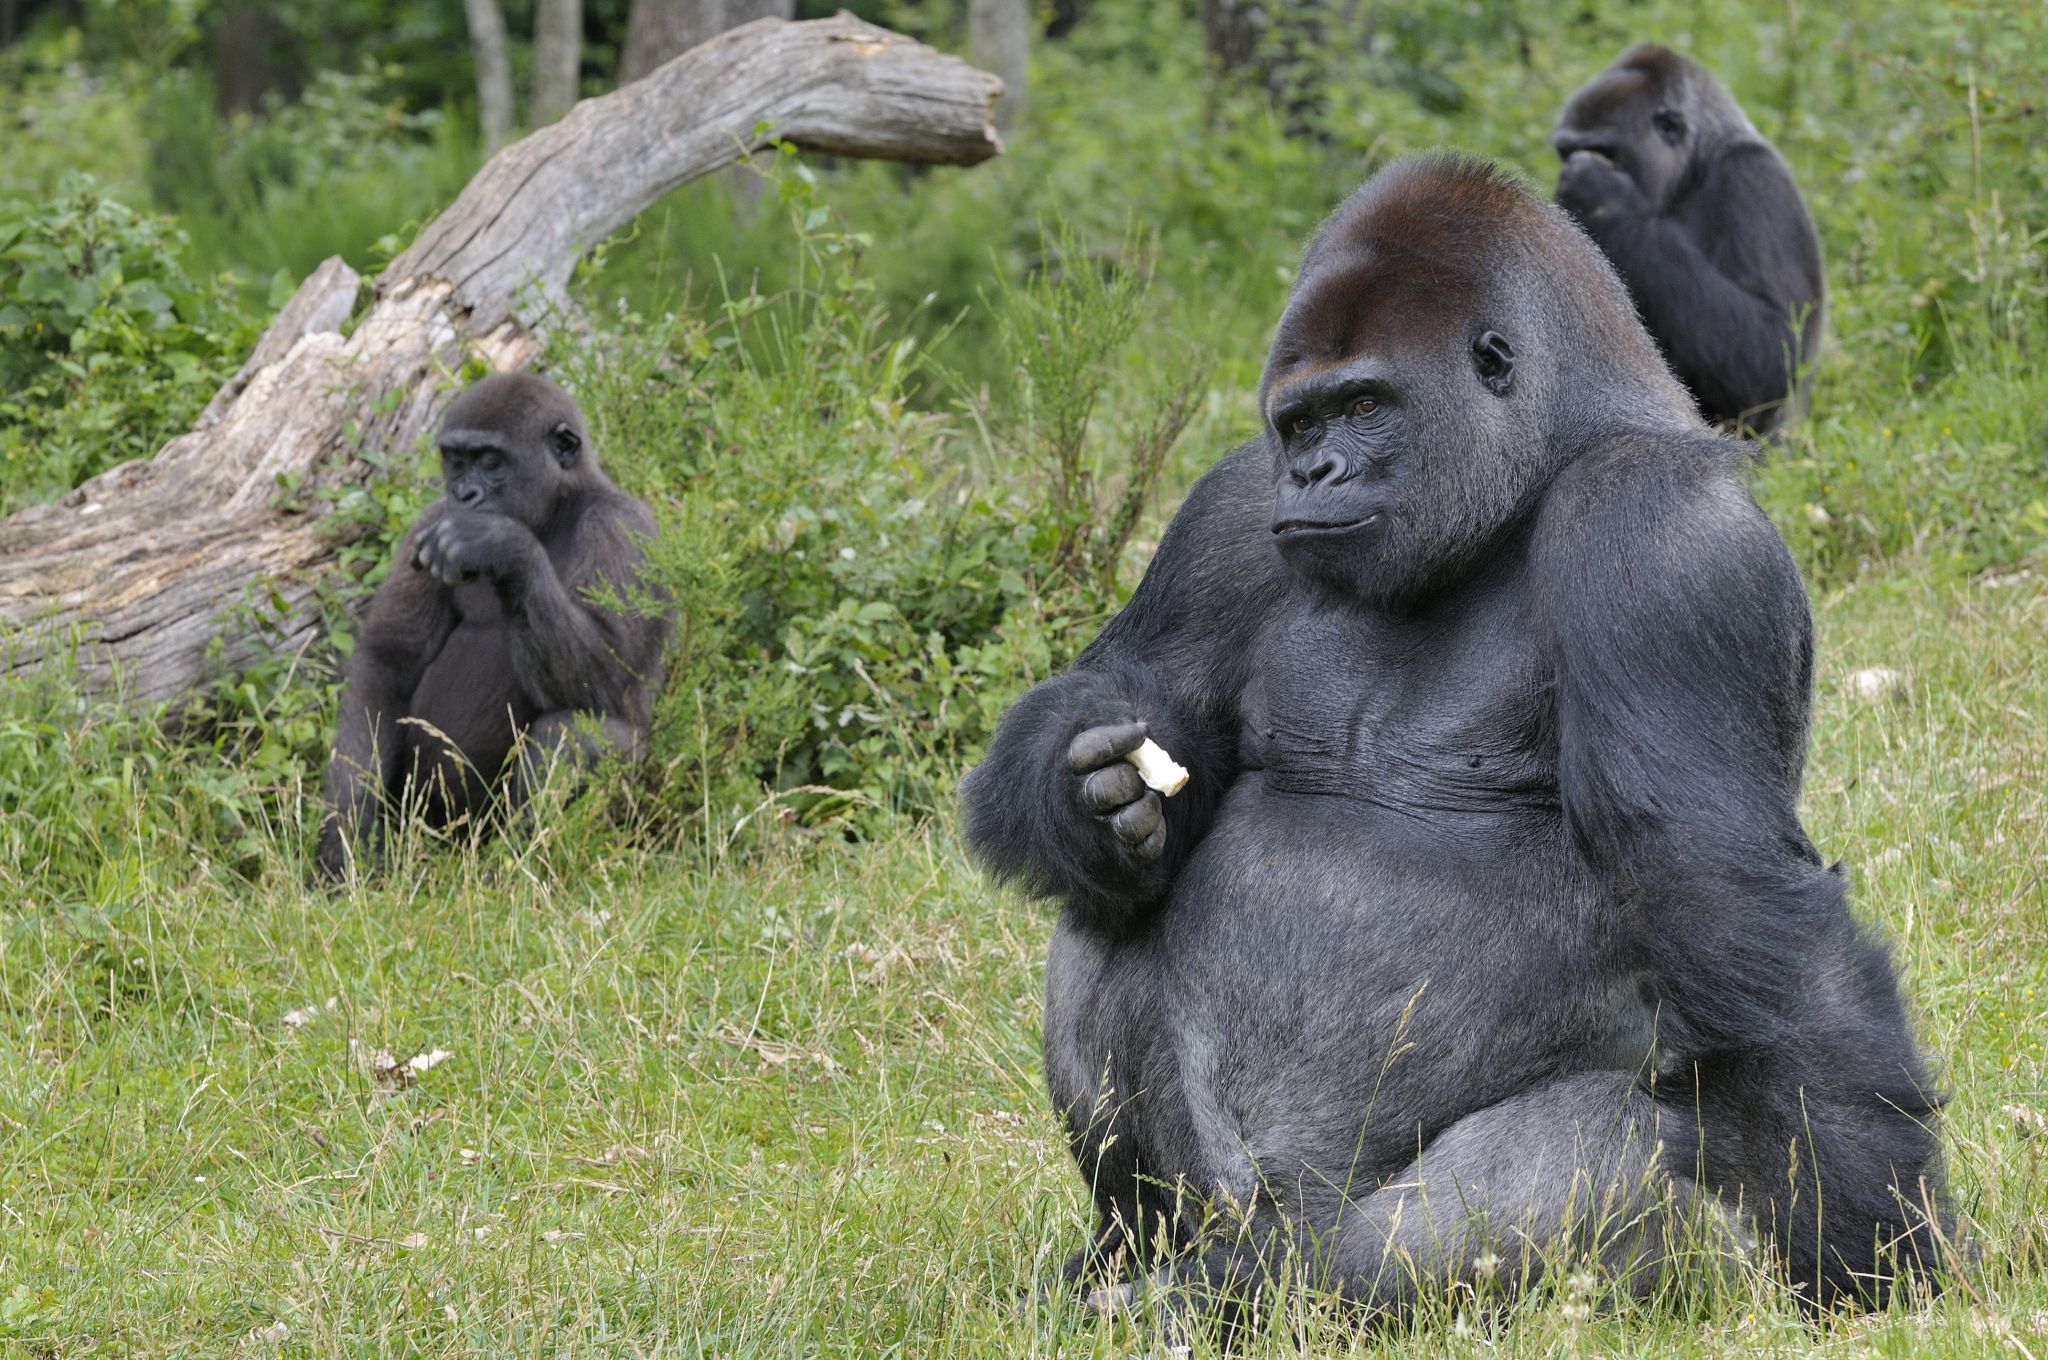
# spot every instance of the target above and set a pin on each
(794, 1106)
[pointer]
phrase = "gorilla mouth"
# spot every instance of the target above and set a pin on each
(1316, 526)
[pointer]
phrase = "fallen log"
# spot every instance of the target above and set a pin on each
(136, 572)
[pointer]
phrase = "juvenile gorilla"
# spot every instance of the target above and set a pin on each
(1703, 220)
(483, 632)
(1487, 922)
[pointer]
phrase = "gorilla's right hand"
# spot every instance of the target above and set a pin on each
(1108, 788)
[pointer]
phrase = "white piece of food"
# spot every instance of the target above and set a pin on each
(1159, 770)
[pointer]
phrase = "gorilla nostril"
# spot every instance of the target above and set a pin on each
(1325, 470)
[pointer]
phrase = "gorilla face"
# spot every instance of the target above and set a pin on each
(1384, 411)
(1636, 117)
(511, 445)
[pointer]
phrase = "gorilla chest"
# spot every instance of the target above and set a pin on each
(1431, 717)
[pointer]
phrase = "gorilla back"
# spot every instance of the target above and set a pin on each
(1486, 922)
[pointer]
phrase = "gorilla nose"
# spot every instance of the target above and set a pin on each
(1326, 467)
(1569, 144)
(468, 495)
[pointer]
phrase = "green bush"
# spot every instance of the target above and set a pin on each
(107, 346)
(862, 585)
(342, 171)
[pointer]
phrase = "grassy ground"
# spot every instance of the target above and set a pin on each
(794, 1108)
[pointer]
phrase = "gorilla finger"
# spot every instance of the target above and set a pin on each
(1097, 746)
(1112, 1299)
(1136, 823)
(1149, 849)
(1111, 787)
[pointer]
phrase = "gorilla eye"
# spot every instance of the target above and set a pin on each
(490, 462)
(1364, 406)
(1301, 425)
(1670, 125)
(566, 440)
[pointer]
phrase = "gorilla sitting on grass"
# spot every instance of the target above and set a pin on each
(488, 652)
(1485, 934)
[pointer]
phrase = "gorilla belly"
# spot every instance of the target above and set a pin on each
(466, 713)
(1336, 982)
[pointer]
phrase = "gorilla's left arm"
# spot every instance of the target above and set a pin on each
(568, 653)
(1723, 281)
(1683, 650)
(1682, 645)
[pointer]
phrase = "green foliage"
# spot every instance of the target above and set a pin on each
(333, 173)
(1064, 330)
(854, 611)
(107, 347)
(55, 118)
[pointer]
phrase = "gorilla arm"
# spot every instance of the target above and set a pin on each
(569, 655)
(408, 621)
(1053, 805)
(1682, 646)
(1683, 653)
(1727, 321)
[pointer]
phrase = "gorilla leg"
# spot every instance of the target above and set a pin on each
(1573, 1172)
(565, 737)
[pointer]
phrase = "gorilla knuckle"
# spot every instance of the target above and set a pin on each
(1111, 786)
(1136, 822)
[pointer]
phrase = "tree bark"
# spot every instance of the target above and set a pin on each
(493, 71)
(658, 31)
(139, 572)
(999, 40)
(661, 30)
(557, 58)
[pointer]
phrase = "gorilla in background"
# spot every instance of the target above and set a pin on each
(1702, 218)
(1487, 922)
(484, 633)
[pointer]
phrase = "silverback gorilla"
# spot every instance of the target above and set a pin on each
(1703, 220)
(1487, 923)
(483, 633)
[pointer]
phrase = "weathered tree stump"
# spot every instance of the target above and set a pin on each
(138, 570)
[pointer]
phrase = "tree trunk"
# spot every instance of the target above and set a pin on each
(1231, 30)
(660, 30)
(557, 58)
(139, 571)
(493, 71)
(999, 40)
(252, 60)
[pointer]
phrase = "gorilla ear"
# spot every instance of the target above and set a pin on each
(1494, 357)
(566, 444)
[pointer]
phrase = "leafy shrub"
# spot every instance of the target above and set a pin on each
(335, 173)
(107, 347)
(856, 605)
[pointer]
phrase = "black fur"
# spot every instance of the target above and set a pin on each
(1490, 878)
(483, 631)
(1705, 223)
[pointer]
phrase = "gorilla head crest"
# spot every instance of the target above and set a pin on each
(1446, 334)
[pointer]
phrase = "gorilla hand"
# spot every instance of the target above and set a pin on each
(1595, 190)
(465, 545)
(1108, 787)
